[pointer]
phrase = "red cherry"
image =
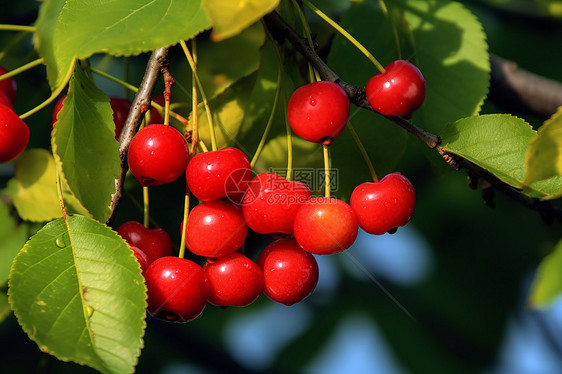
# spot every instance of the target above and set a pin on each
(216, 174)
(142, 258)
(155, 243)
(4, 100)
(14, 134)
(121, 108)
(176, 288)
(325, 226)
(384, 205)
(271, 203)
(290, 273)
(233, 280)
(398, 91)
(157, 155)
(56, 109)
(215, 229)
(8, 86)
(319, 111)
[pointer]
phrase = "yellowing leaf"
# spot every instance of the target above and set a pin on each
(229, 18)
(548, 284)
(33, 188)
(544, 155)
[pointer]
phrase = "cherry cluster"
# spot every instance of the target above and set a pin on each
(233, 201)
(14, 133)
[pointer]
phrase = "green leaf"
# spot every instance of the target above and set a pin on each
(77, 291)
(544, 156)
(117, 27)
(241, 112)
(229, 18)
(83, 141)
(452, 54)
(546, 189)
(43, 37)
(13, 238)
(214, 74)
(498, 143)
(33, 189)
(548, 283)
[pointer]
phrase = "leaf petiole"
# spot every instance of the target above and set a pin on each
(54, 94)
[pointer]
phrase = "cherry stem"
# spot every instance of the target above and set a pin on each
(363, 152)
(193, 66)
(347, 35)
(184, 224)
(271, 117)
(313, 74)
(305, 26)
(139, 208)
(21, 69)
(18, 28)
(126, 71)
(54, 94)
(134, 89)
(203, 146)
(384, 9)
(195, 118)
(168, 83)
(289, 143)
(145, 205)
(326, 171)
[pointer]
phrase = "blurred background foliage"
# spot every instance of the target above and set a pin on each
(446, 294)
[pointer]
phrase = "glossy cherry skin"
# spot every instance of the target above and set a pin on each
(215, 229)
(384, 205)
(14, 134)
(318, 112)
(233, 280)
(325, 226)
(176, 288)
(8, 86)
(141, 257)
(157, 155)
(290, 273)
(271, 203)
(215, 174)
(155, 243)
(399, 91)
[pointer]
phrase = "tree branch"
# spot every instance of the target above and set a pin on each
(281, 31)
(519, 90)
(140, 105)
